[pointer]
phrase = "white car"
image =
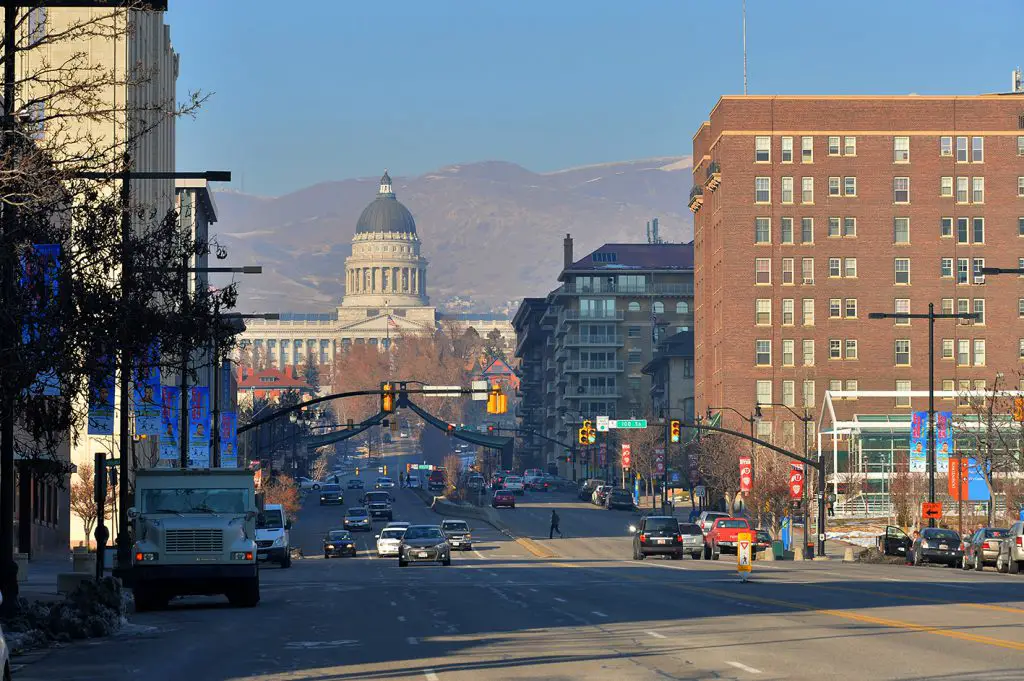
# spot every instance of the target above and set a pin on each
(514, 484)
(384, 483)
(413, 481)
(389, 539)
(309, 484)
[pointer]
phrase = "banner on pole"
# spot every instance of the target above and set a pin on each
(199, 427)
(627, 455)
(40, 277)
(746, 473)
(919, 442)
(796, 481)
(101, 403)
(170, 423)
(147, 394)
(228, 439)
(943, 440)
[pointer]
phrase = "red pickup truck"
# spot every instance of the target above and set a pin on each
(721, 538)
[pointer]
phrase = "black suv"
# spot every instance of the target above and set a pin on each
(658, 535)
(620, 498)
(379, 505)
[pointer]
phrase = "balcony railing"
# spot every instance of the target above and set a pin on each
(696, 198)
(595, 366)
(714, 176)
(595, 340)
(676, 289)
(587, 391)
(592, 315)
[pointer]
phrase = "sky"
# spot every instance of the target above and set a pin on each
(303, 93)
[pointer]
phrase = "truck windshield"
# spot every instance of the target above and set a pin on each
(186, 500)
(270, 520)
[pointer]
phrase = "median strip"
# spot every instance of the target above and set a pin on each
(535, 548)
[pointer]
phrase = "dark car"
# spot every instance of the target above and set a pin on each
(503, 498)
(379, 505)
(458, 534)
(331, 494)
(339, 543)
(424, 543)
(982, 547)
(357, 518)
(587, 488)
(620, 498)
(938, 545)
(355, 483)
(762, 542)
(895, 542)
(658, 535)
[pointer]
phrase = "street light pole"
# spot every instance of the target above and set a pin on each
(806, 420)
(752, 419)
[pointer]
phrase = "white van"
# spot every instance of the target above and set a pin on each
(272, 536)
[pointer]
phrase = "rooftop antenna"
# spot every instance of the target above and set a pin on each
(1018, 81)
(744, 46)
(652, 232)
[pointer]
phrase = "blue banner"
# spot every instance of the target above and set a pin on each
(40, 272)
(147, 394)
(101, 403)
(919, 442)
(199, 427)
(943, 440)
(170, 423)
(228, 439)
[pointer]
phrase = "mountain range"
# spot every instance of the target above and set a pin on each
(491, 230)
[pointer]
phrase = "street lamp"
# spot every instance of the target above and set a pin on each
(806, 418)
(753, 420)
(931, 316)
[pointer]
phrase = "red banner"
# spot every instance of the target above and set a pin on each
(746, 473)
(627, 455)
(959, 478)
(796, 481)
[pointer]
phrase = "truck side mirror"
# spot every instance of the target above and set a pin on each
(133, 513)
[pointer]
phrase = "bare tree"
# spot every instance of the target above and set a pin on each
(452, 474)
(718, 465)
(321, 467)
(906, 490)
(769, 498)
(83, 497)
(283, 490)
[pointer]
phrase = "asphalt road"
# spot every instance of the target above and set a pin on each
(499, 612)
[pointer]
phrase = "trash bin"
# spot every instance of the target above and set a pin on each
(778, 549)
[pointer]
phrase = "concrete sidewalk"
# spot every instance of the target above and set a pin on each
(41, 581)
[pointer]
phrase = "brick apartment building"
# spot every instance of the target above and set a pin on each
(811, 212)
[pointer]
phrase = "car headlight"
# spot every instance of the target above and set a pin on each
(279, 541)
(442, 546)
(330, 546)
(924, 545)
(241, 555)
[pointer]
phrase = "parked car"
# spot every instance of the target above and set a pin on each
(5, 653)
(707, 518)
(306, 484)
(620, 498)
(503, 498)
(762, 542)
(982, 547)
(1011, 550)
(601, 494)
(938, 545)
(657, 535)
(587, 488)
(894, 542)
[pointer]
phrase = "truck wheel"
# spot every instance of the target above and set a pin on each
(402, 563)
(1013, 566)
(143, 599)
(707, 552)
(716, 552)
(287, 561)
(246, 595)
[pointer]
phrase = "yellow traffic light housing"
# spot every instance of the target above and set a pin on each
(497, 402)
(385, 469)
(357, 471)
(1018, 409)
(387, 398)
(582, 436)
(674, 431)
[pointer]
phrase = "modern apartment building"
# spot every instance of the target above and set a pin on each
(812, 212)
(584, 345)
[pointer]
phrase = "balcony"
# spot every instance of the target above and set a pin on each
(714, 176)
(595, 366)
(582, 392)
(591, 316)
(561, 354)
(696, 198)
(592, 340)
(562, 378)
(675, 289)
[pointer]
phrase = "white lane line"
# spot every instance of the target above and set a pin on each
(401, 618)
(656, 634)
(561, 600)
(598, 613)
(535, 591)
(740, 665)
(393, 604)
(430, 675)
(479, 555)
(412, 640)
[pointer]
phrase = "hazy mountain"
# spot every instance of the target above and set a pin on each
(492, 230)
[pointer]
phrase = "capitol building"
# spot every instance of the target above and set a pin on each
(385, 296)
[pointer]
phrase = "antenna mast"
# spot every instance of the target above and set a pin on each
(744, 46)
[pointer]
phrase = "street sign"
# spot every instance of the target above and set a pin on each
(743, 558)
(659, 461)
(480, 390)
(602, 424)
(932, 510)
(628, 423)
(674, 476)
(627, 455)
(699, 491)
(442, 390)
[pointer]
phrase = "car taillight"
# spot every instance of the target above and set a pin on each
(961, 546)
(986, 545)
(1020, 542)
(679, 538)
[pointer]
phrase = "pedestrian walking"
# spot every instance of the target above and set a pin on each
(401, 479)
(831, 506)
(554, 526)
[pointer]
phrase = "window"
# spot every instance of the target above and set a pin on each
(962, 230)
(682, 307)
(963, 352)
(808, 310)
(36, 25)
(789, 393)
(762, 230)
(763, 271)
(977, 190)
(902, 270)
(835, 308)
(833, 146)
(763, 353)
(633, 332)
(850, 308)
(979, 352)
(945, 146)
(764, 392)
(786, 229)
(833, 186)
(849, 227)
(961, 150)
(850, 348)
(947, 306)
(787, 312)
(977, 150)
(1020, 348)
(947, 348)
(762, 190)
(835, 267)
(962, 195)
(1020, 226)
(850, 268)
(1020, 186)
(809, 353)
(787, 149)
(835, 349)
(807, 150)
(809, 394)
(807, 230)
(901, 149)
(763, 311)
(978, 231)
(946, 187)
(633, 306)
(787, 271)
(945, 227)
(762, 149)
(788, 353)
(964, 398)
(963, 306)
(903, 387)
(901, 190)
(849, 146)
(851, 387)
(1020, 146)
(807, 271)
(834, 227)
(902, 306)
(979, 264)
(787, 190)
(1020, 308)
(903, 352)
(835, 385)
(849, 186)
(962, 268)
(901, 230)
(658, 307)
(634, 357)
(946, 268)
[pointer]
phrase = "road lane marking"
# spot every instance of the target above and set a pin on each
(598, 613)
(401, 618)
(430, 675)
(656, 634)
(479, 555)
(412, 640)
(393, 604)
(740, 665)
(561, 600)
(533, 590)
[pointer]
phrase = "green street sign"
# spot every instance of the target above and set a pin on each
(629, 423)
(113, 462)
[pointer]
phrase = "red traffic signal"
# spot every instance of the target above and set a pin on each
(450, 430)
(490, 430)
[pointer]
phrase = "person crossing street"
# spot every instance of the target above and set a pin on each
(554, 525)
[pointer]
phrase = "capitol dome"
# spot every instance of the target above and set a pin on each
(385, 213)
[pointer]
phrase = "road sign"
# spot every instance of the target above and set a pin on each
(602, 424)
(628, 423)
(659, 461)
(743, 558)
(932, 510)
(480, 390)
(627, 455)
(699, 491)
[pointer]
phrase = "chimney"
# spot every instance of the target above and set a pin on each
(567, 252)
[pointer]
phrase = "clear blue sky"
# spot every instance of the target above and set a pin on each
(319, 90)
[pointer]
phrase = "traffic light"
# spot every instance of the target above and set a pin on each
(1018, 409)
(673, 429)
(490, 430)
(497, 402)
(450, 430)
(589, 434)
(357, 471)
(583, 436)
(387, 398)
(408, 467)
(385, 469)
